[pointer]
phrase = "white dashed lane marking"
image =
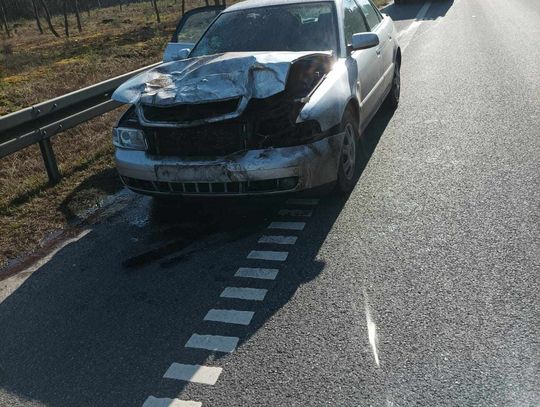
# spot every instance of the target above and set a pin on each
(278, 239)
(164, 402)
(193, 373)
(302, 201)
(229, 316)
(217, 343)
(256, 272)
(267, 255)
(287, 225)
(297, 213)
(244, 293)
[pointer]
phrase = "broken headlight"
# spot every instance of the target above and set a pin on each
(125, 137)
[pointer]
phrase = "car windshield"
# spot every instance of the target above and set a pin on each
(293, 27)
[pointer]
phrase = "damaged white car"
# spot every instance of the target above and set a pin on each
(264, 97)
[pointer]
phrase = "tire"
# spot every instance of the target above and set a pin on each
(392, 99)
(351, 157)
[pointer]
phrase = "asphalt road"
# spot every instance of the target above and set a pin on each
(419, 289)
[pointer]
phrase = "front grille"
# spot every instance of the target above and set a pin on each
(208, 140)
(190, 112)
(213, 188)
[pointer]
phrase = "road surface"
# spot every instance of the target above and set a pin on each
(419, 289)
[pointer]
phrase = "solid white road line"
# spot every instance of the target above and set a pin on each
(229, 316)
(287, 225)
(256, 272)
(406, 36)
(298, 213)
(165, 402)
(278, 239)
(302, 201)
(226, 344)
(193, 373)
(244, 293)
(267, 255)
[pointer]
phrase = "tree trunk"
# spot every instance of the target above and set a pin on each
(78, 16)
(66, 23)
(183, 7)
(154, 3)
(4, 18)
(48, 17)
(36, 15)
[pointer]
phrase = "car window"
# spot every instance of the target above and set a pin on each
(193, 24)
(294, 27)
(372, 16)
(353, 20)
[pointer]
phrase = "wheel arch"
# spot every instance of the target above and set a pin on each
(352, 104)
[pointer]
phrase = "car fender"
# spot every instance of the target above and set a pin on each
(328, 101)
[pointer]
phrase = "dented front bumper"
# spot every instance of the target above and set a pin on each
(252, 172)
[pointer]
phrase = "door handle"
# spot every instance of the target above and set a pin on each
(378, 51)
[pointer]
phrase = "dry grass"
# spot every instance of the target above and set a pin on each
(113, 42)
(30, 209)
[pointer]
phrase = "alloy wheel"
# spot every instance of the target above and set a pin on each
(348, 152)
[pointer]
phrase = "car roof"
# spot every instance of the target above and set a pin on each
(267, 3)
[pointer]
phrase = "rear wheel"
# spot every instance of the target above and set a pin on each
(352, 155)
(392, 100)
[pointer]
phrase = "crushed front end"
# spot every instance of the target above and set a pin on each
(227, 125)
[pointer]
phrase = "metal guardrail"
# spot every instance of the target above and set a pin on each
(38, 123)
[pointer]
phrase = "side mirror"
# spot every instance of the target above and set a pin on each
(175, 51)
(364, 41)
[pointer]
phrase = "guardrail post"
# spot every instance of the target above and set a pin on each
(50, 160)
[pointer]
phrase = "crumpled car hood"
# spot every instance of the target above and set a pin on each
(211, 78)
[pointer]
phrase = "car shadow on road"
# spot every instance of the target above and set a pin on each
(410, 10)
(95, 327)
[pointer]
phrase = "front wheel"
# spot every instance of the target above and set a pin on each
(351, 157)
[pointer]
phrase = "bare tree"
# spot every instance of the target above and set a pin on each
(154, 3)
(78, 16)
(48, 17)
(4, 18)
(66, 22)
(36, 15)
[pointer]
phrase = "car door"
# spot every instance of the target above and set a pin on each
(188, 31)
(366, 63)
(383, 28)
